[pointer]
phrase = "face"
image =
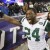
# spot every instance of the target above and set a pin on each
(30, 15)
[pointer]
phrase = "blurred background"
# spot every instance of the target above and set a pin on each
(18, 9)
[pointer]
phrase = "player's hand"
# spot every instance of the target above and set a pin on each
(1, 14)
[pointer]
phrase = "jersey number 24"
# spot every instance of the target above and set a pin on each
(35, 34)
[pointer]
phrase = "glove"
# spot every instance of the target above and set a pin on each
(1, 14)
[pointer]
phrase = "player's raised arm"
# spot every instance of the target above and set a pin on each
(9, 19)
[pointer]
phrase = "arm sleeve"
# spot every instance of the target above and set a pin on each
(47, 28)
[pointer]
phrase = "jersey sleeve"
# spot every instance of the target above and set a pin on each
(22, 19)
(47, 28)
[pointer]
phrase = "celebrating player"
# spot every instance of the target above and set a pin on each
(35, 30)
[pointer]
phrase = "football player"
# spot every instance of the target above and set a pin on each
(35, 30)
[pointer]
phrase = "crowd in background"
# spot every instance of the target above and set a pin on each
(14, 9)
